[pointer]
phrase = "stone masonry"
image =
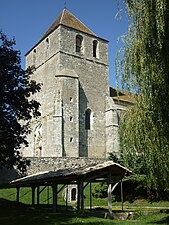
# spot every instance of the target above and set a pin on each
(79, 118)
(79, 112)
(72, 82)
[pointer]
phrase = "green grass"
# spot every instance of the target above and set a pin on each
(46, 198)
(12, 213)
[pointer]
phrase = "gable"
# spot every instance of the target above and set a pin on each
(68, 20)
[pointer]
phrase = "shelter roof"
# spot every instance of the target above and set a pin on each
(68, 175)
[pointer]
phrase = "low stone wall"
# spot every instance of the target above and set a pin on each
(54, 163)
(40, 164)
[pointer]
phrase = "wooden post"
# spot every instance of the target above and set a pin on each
(38, 195)
(82, 195)
(109, 196)
(78, 196)
(90, 195)
(54, 190)
(17, 193)
(80, 199)
(66, 197)
(109, 200)
(48, 195)
(33, 195)
(122, 195)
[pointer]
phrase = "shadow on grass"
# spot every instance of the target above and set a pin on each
(164, 220)
(13, 213)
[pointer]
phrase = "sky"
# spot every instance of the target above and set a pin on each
(28, 20)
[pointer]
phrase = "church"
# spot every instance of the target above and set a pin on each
(79, 111)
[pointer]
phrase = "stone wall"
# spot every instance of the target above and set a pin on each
(40, 164)
(112, 126)
(54, 163)
(72, 82)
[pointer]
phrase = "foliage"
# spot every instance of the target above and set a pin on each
(114, 158)
(100, 190)
(16, 108)
(144, 69)
(134, 185)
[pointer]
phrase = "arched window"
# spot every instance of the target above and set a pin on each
(73, 194)
(94, 48)
(79, 40)
(88, 119)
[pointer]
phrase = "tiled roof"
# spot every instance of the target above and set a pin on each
(68, 20)
(123, 96)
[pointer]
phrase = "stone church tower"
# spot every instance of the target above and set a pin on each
(77, 115)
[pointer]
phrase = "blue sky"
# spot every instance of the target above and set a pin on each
(28, 20)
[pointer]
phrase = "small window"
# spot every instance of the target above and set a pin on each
(34, 56)
(88, 119)
(47, 43)
(79, 40)
(94, 48)
(71, 139)
(71, 118)
(71, 99)
(73, 194)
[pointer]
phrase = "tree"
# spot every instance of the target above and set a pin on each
(16, 108)
(144, 129)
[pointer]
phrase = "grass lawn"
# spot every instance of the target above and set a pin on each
(46, 198)
(12, 213)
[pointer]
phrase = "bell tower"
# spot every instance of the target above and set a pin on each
(72, 64)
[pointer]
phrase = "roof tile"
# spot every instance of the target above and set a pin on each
(69, 20)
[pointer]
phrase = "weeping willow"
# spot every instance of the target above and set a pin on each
(144, 69)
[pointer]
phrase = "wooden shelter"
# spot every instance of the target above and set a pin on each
(109, 172)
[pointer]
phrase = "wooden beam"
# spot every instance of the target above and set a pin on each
(42, 189)
(61, 188)
(85, 185)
